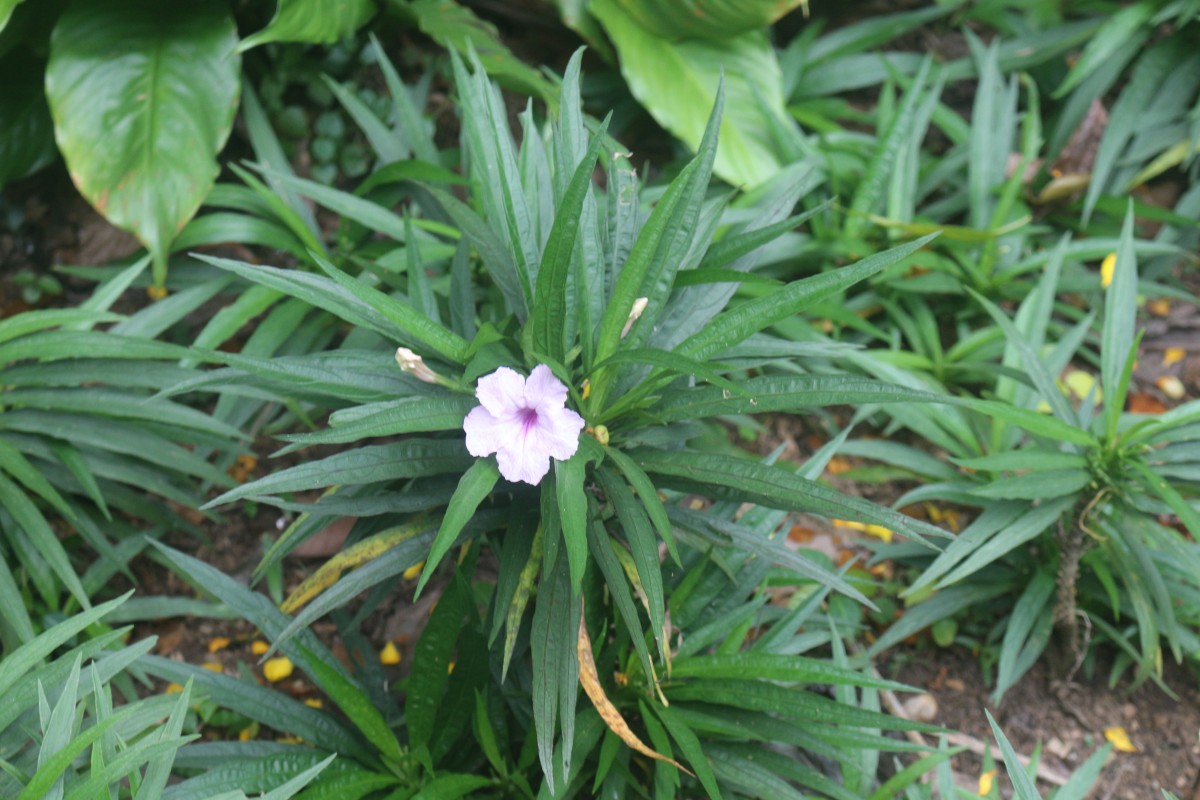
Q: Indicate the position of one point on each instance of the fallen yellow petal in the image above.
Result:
(1159, 306)
(414, 572)
(1171, 386)
(276, 669)
(880, 532)
(156, 292)
(1173, 355)
(389, 655)
(248, 733)
(259, 647)
(1107, 267)
(985, 782)
(217, 643)
(174, 688)
(1120, 739)
(213, 666)
(314, 702)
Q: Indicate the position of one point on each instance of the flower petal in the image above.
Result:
(558, 429)
(543, 389)
(525, 460)
(502, 392)
(486, 433)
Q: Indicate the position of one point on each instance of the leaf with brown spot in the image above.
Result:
(589, 679)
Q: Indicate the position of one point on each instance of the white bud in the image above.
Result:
(413, 364)
(639, 306)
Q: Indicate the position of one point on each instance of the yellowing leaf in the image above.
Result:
(985, 782)
(1173, 355)
(1120, 739)
(353, 557)
(389, 655)
(277, 669)
(1106, 269)
(589, 679)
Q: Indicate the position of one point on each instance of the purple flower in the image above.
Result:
(524, 422)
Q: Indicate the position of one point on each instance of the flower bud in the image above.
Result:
(413, 364)
(639, 306)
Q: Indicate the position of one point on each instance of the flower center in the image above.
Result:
(529, 418)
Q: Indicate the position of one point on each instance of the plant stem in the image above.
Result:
(1071, 546)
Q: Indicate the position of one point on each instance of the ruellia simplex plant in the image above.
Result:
(547, 381)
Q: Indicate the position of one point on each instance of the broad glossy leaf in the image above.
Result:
(455, 27)
(676, 82)
(26, 130)
(315, 21)
(708, 19)
(142, 101)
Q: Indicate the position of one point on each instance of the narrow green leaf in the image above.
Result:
(1022, 784)
(547, 316)
(356, 704)
(738, 323)
(572, 507)
(473, 488)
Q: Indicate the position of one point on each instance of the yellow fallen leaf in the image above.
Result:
(213, 666)
(389, 655)
(414, 572)
(1080, 383)
(217, 643)
(277, 669)
(1171, 386)
(1120, 739)
(1107, 267)
(1173, 355)
(985, 782)
(589, 679)
(259, 647)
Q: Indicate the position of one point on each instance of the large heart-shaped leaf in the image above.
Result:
(26, 133)
(706, 19)
(677, 81)
(143, 97)
(316, 21)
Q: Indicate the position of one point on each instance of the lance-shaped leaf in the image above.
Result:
(142, 102)
(589, 679)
